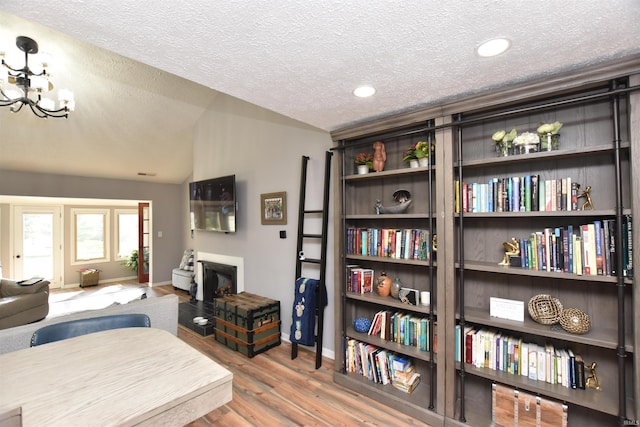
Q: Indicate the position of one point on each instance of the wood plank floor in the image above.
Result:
(270, 389)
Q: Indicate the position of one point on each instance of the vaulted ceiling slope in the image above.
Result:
(303, 58)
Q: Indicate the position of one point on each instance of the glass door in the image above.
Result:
(37, 243)
(144, 241)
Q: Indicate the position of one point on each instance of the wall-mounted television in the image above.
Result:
(213, 204)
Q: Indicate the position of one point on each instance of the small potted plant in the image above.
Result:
(409, 156)
(423, 152)
(364, 162)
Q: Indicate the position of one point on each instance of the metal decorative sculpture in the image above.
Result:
(586, 194)
(592, 378)
(403, 197)
(511, 249)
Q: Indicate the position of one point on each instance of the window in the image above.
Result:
(127, 232)
(90, 234)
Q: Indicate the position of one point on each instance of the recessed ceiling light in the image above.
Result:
(493, 47)
(364, 91)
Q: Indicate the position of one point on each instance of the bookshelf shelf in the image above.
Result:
(583, 158)
(411, 404)
(386, 174)
(604, 337)
(542, 156)
(388, 302)
(591, 399)
(386, 260)
(597, 150)
(389, 217)
(493, 267)
(544, 214)
(415, 268)
(389, 345)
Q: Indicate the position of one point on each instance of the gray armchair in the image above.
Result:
(20, 305)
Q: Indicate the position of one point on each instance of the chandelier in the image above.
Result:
(30, 85)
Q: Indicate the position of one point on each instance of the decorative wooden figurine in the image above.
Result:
(379, 156)
(586, 194)
(592, 379)
(511, 249)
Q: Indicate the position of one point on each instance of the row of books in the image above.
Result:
(405, 243)
(588, 249)
(381, 366)
(360, 280)
(401, 328)
(492, 349)
(518, 194)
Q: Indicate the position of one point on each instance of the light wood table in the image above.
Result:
(121, 377)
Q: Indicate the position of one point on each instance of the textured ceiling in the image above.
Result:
(299, 58)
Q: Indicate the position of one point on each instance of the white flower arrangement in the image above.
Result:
(527, 139)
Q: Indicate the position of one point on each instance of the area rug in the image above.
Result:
(64, 303)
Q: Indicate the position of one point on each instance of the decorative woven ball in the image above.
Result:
(362, 325)
(545, 309)
(575, 321)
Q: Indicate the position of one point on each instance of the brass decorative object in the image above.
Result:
(511, 249)
(545, 309)
(575, 321)
(586, 195)
(592, 378)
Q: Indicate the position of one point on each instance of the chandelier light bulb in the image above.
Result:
(30, 82)
(47, 104)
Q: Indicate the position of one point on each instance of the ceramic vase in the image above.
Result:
(363, 169)
(424, 161)
(413, 163)
(383, 285)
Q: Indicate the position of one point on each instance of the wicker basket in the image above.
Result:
(575, 321)
(545, 309)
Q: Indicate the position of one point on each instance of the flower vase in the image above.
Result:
(413, 163)
(363, 169)
(503, 149)
(549, 141)
(424, 161)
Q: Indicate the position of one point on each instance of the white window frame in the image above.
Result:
(107, 235)
(116, 234)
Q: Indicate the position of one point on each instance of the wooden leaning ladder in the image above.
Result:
(322, 262)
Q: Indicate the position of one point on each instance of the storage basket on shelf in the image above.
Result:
(575, 321)
(545, 309)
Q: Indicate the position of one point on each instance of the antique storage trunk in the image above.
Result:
(247, 323)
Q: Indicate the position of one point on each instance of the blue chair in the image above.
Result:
(74, 328)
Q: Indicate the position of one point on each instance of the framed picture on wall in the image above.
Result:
(273, 207)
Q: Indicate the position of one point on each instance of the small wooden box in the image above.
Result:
(247, 323)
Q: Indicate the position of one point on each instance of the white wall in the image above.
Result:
(264, 150)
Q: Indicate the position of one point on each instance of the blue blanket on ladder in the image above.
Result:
(305, 303)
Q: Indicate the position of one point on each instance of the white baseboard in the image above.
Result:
(330, 354)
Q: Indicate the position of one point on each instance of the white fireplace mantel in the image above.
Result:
(220, 259)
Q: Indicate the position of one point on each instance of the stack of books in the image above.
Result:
(404, 377)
